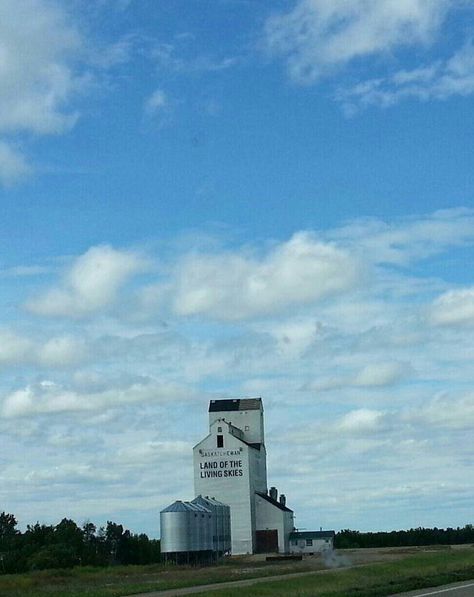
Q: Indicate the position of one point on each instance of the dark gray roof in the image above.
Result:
(312, 535)
(208, 502)
(266, 497)
(180, 506)
(235, 404)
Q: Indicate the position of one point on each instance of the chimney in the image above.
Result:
(283, 499)
(274, 493)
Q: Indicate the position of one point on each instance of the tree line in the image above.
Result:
(412, 537)
(66, 545)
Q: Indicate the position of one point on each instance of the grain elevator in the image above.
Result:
(234, 511)
(230, 465)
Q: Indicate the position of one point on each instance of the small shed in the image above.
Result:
(311, 542)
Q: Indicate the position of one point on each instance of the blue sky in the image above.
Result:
(205, 199)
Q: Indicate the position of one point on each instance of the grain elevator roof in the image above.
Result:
(235, 404)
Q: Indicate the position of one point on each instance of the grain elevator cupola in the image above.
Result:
(245, 413)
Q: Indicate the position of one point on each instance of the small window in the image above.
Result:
(220, 441)
(246, 428)
(309, 542)
(219, 430)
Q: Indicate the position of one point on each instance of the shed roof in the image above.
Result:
(235, 404)
(266, 497)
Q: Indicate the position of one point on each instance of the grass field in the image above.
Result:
(377, 573)
(373, 580)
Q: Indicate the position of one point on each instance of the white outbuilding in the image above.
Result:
(311, 542)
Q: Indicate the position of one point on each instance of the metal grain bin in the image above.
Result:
(176, 525)
(227, 536)
(213, 515)
(220, 528)
(204, 527)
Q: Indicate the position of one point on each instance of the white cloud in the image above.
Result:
(235, 285)
(445, 411)
(407, 240)
(440, 80)
(318, 36)
(36, 78)
(280, 320)
(375, 374)
(91, 283)
(62, 351)
(13, 348)
(57, 351)
(48, 397)
(381, 374)
(455, 307)
(361, 421)
(295, 336)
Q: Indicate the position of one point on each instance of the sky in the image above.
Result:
(207, 199)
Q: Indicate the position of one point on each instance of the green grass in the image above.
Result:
(375, 580)
(414, 570)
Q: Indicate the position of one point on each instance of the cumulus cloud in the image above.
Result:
(62, 351)
(48, 397)
(318, 36)
(38, 76)
(56, 351)
(234, 286)
(90, 284)
(14, 349)
(455, 307)
(285, 321)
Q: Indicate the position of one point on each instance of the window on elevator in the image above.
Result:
(220, 441)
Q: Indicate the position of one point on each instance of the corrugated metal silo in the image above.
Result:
(220, 528)
(227, 536)
(204, 527)
(211, 527)
(175, 521)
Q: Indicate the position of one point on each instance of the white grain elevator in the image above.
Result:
(230, 465)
